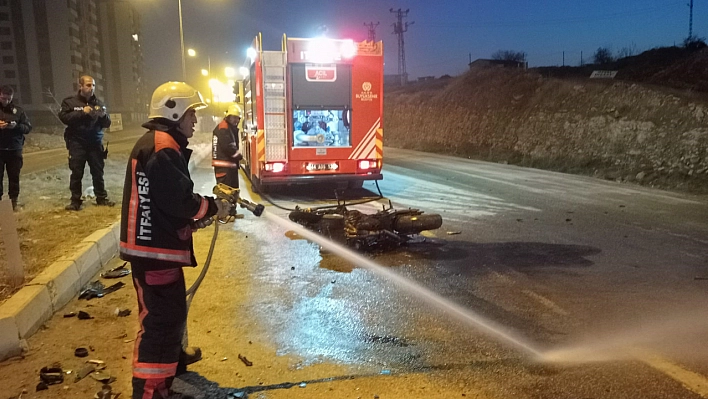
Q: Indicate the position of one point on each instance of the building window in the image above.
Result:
(10, 74)
(4, 16)
(8, 59)
(6, 45)
(5, 30)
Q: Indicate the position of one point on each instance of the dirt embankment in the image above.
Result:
(610, 129)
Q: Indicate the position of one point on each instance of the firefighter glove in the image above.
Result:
(202, 223)
(223, 208)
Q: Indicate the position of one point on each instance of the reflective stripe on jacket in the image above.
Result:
(224, 146)
(159, 203)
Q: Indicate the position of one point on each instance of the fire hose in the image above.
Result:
(230, 194)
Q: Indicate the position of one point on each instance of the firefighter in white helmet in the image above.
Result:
(225, 154)
(160, 211)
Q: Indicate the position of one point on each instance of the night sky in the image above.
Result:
(442, 37)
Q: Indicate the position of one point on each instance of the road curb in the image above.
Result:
(25, 312)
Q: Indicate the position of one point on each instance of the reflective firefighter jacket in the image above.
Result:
(224, 146)
(159, 202)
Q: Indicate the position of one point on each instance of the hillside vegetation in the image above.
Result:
(627, 129)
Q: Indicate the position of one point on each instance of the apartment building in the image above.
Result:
(46, 45)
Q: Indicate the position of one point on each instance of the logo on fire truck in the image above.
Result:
(366, 94)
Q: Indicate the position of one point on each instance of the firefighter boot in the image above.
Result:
(189, 355)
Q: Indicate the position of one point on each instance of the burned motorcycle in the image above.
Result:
(384, 229)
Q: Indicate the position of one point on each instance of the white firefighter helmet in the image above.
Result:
(172, 99)
(234, 110)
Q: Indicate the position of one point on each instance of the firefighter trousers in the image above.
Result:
(228, 176)
(162, 305)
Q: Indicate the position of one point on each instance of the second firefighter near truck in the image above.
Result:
(225, 154)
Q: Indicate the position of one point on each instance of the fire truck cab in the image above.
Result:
(313, 112)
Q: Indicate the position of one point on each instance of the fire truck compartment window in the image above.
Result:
(321, 128)
(317, 86)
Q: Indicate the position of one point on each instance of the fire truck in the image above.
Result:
(313, 112)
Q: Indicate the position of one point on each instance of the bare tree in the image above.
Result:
(694, 42)
(603, 55)
(53, 108)
(509, 55)
(628, 51)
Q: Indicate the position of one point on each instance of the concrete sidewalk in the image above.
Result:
(25, 312)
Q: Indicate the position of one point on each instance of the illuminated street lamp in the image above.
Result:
(229, 72)
(205, 72)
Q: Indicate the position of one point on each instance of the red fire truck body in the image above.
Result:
(314, 112)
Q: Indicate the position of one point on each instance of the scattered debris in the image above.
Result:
(302, 385)
(96, 289)
(385, 372)
(122, 312)
(81, 352)
(41, 386)
(102, 377)
(245, 361)
(223, 359)
(84, 371)
(84, 315)
(104, 393)
(117, 272)
(452, 233)
(700, 278)
(51, 375)
(70, 314)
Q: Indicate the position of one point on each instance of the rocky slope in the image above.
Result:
(612, 129)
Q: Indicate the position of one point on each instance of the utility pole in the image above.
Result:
(372, 30)
(398, 29)
(690, 21)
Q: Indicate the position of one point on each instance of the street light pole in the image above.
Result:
(181, 41)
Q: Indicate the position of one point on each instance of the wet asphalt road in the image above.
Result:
(609, 279)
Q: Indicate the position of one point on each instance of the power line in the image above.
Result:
(399, 27)
(690, 22)
(372, 30)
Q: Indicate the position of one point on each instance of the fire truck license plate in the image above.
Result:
(322, 166)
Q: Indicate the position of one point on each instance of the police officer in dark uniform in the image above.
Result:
(225, 154)
(85, 118)
(13, 127)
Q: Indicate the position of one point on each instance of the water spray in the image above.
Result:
(467, 316)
